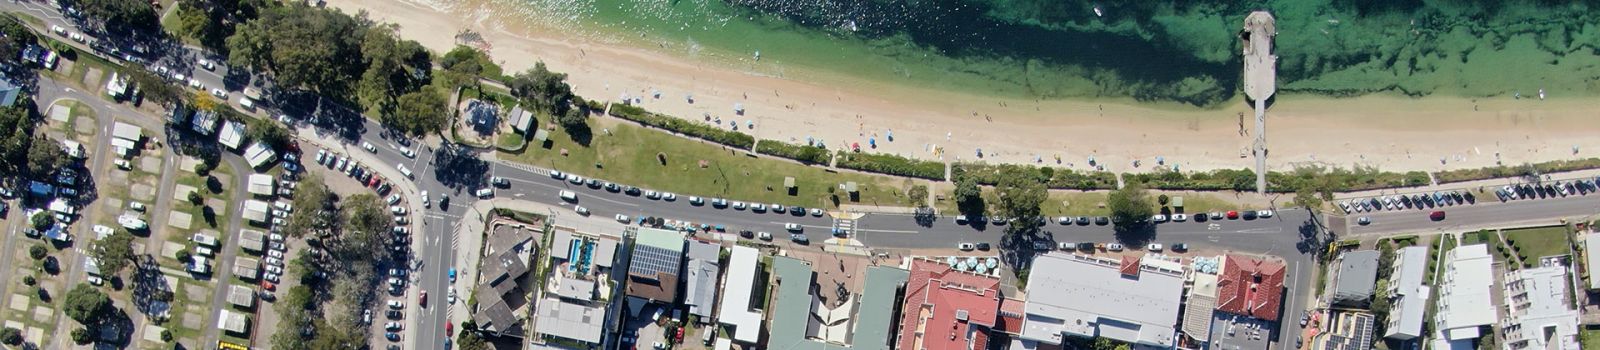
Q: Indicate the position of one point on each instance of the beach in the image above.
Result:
(1388, 132)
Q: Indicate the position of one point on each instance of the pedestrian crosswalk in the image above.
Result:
(846, 227)
(528, 168)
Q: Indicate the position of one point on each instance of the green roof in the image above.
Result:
(874, 313)
(659, 238)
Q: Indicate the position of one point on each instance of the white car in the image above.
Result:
(178, 76)
(195, 83)
(403, 170)
(1154, 247)
(76, 36)
(792, 227)
(758, 207)
(274, 269)
(275, 254)
(622, 218)
(406, 151)
(1264, 213)
(123, 164)
(581, 210)
(394, 198)
(485, 193)
(1180, 217)
(104, 230)
(369, 147)
(696, 200)
(397, 210)
(1158, 218)
(738, 205)
(322, 156)
(58, 30)
(425, 199)
(219, 93)
(668, 196)
(208, 65)
(966, 247)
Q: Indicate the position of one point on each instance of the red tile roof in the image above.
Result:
(1011, 311)
(939, 292)
(1130, 266)
(1250, 286)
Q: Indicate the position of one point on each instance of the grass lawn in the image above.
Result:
(1538, 242)
(1589, 338)
(1479, 237)
(510, 140)
(626, 153)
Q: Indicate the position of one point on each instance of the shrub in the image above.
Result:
(80, 336)
(891, 164)
(37, 251)
(1053, 178)
(709, 133)
(166, 335)
(11, 336)
(804, 154)
(29, 280)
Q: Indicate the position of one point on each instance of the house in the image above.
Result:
(1539, 312)
(738, 311)
(247, 268)
(1199, 306)
(204, 122)
(126, 138)
(200, 265)
(945, 308)
(1464, 304)
(499, 294)
(1348, 331)
(521, 119)
(1408, 296)
(241, 296)
(117, 86)
(583, 322)
(1357, 276)
(259, 155)
(252, 241)
(204, 240)
(702, 274)
(1250, 286)
(9, 91)
(1132, 300)
(1591, 254)
(256, 211)
(232, 135)
(798, 325)
(74, 149)
(262, 185)
(656, 265)
(234, 322)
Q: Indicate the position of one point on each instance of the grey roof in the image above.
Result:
(791, 316)
(246, 268)
(1410, 296)
(9, 92)
(508, 238)
(241, 296)
(572, 288)
(582, 322)
(1091, 297)
(561, 246)
(605, 253)
(1591, 250)
(233, 322)
(656, 252)
(521, 119)
(1358, 272)
(503, 269)
(252, 240)
(494, 313)
(702, 273)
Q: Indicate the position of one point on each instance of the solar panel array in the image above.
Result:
(649, 261)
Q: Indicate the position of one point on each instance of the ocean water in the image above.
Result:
(1150, 51)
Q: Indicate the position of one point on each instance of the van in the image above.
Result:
(569, 196)
(403, 170)
(203, 251)
(247, 103)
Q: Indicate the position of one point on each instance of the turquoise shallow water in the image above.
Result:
(1154, 51)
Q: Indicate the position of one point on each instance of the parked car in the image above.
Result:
(1363, 221)
(1437, 215)
(1067, 246)
(1154, 247)
(1264, 213)
(1180, 247)
(764, 236)
(1115, 247)
(983, 246)
(966, 246)
(581, 210)
(792, 227)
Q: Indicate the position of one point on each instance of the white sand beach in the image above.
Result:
(1394, 133)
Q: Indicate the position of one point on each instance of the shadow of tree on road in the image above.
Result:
(459, 167)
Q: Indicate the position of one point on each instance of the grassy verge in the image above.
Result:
(629, 154)
(1589, 337)
(1530, 244)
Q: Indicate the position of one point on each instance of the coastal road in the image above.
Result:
(1547, 211)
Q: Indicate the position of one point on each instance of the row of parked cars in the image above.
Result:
(718, 203)
(1437, 199)
(1547, 190)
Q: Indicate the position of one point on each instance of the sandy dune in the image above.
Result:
(1390, 132)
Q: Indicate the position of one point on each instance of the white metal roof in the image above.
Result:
(127, 131)
(255, 210)
(1591, 248)
(1087, 296)
(1405, 284)
(569, 320)
(261, 184)
(232, 134)
(1464, 302)
(1543, 307)
(736, 292)
(259, 154)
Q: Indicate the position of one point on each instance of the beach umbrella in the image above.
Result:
(856, 146)
(1161, 160)
(872, 141)
(890, 135)
(992, 262)
(738, 107)
(809, 141)
(950, 261)
(749, 124)
(982, 269)
(980, 153)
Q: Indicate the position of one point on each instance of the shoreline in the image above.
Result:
(1437, 133)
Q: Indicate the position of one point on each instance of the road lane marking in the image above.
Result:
(886, 231)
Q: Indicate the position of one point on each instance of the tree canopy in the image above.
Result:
(420, 112)
(1131, 208)
(45, 157)
(86, 304)
(364, 226)
(464, 65)
(268, 132)
(120, 16)
(302, 47)
(968, 196)
(114, 252)
(1019, 196)
(211, 22)
(542, 89)
(16, 137)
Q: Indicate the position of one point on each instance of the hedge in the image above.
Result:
(1055, 178)
(1215, 180)
(804, 154)
(891, 164)
(709, 133)
(1460, 175)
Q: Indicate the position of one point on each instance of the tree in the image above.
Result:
(166, 335)
(46, 157)
(195, 198)
(80, 336)
(114, 252)
(37, 251)
(918, 194)
(16, 137)
(365, 223)
(121, 16)
(43, 221)
(1130, 208)
(268, 132)
(153, 87)
(302, 48)
(203, 101)
(183, 256)
(211, 22)
(1019, 198)
(968, 196)
(422, 112)
(540, 88)
(16, 37)
(310, 197)
(465, 65)
(86, 304)
(11, 336)
(394, 67)
(1306, 195)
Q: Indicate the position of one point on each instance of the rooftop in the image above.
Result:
(1358, 273)
(947, 309)
(241, 296)
(1539, 310)
(703, 272)
(1464, 303)
(793, 320)
(1591, 249)
(1349, 331)
(737, 309)
(1197, 312)
(1410, 296)
(1090, 297)
(1250, 286)
(232, 135)
(246, 268)
(654, 270)
(252, 240)
(576, 321)
(255, 210)
(261, 185)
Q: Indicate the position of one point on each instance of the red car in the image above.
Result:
(449, 329)
(423, 298)
(1233, 214)
(1437, 215)
(373, 182)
